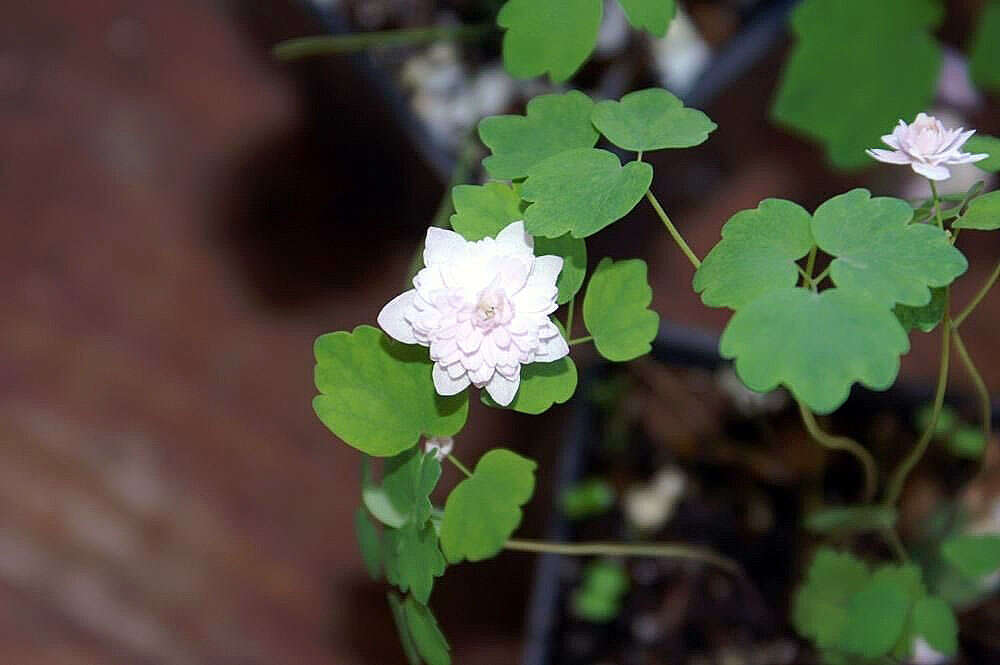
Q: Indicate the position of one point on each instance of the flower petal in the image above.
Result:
(551, 349)
(932, 172)
(502, 389)
(445, 385)
(546, 271)
(889, 156)
(515, 240)
(442, 246)
(392, 318)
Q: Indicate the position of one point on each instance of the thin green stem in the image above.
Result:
(818, 279)
(461, 467)
(307, 47)
(569, 317)
(937, 204)
(663, 550)
(846, 444)
(896, 545)
(980, 295)
(810, 266)
(982, 392)
(581, 340)
(898, 479)
(674, 233)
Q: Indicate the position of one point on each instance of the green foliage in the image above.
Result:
(599, 597)
(820, 611)
(975, 556)
(418, 631)
(377, 394)
(879, 253)
(377, 501)
(851, 518)
(574, 271)
(851, 612)
(616, 309)
(369, 542)
(926, 317)
(651, 15)
(408, 480)
(816, 344)
(582, 191)
(403, 629)
(984, 54)
(554, 36)
(651, 119)
(967, 442)
(413, 559)
(858, 66)
(934, 621)
(484, 211)
(983, 214)
(985, 144)
(552, 124)
(542, 385)
(587, 499)
(485, 509)
(756, 255)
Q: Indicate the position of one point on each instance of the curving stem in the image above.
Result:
(674, 233)
(846, 444)
(659, 550)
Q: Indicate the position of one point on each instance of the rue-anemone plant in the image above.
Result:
(491, 313)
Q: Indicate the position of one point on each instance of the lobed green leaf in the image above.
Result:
(985, 144)
(815, 344)
(616, 310)
(369, 542)
(983, 214)
(653, 16)
(926, 317)
(974, 555)
(651, 119)
(582, 191)
(377, 395)
(756, 255)
(427, 636)
(552, 124)
(880, 254)
(542, 385)
(554, 36)
(484, 510)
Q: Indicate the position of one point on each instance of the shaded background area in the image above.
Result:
(182, 218)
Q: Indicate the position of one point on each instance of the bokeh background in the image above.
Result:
(182, 217)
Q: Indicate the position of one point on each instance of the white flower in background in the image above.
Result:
(483, 309)
(925, 654)
(927, 147)
(441, 446)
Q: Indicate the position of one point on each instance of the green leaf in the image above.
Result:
(967, 442)
(405, 637)
(599, 597)
(368, 542)
(756, 255)
(574, 254)
(378, 395)
(876, 616)
(427, 637)
(482, 212)
(856, 69)
(554, 36)
(925, 318)
(984, 55)
(552, 124)
(542, 385)
(615, 310)
(413, 559)
(990, 145)
(983, 214)
(408, 480)
(651, 15)
(587, 499)
(817, 345)
(974, 556)
(934, 621)
(879, 253)
(582, 191)
(851, 518)
(377, 500)
(651, 119)
(483, 510)
(820, 609)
